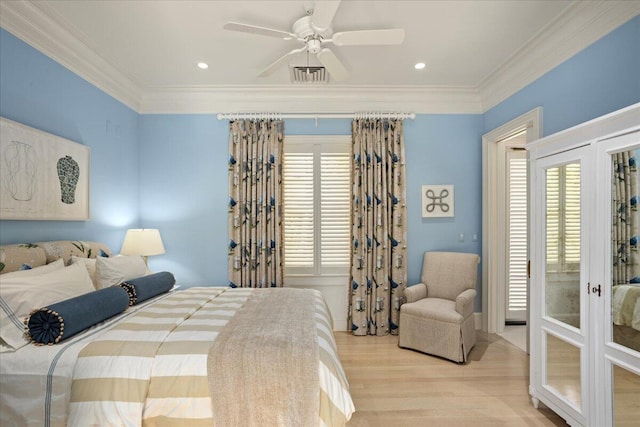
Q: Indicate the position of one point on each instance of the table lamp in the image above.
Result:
(142, 241)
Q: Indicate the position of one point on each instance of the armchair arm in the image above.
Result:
(415, 292)
(464, 302)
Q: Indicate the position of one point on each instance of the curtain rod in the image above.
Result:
(279, 116)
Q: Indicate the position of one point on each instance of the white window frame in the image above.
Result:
(317, 144)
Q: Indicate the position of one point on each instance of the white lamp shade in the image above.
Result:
(144, 242)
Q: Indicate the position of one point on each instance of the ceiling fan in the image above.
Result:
(314, 31)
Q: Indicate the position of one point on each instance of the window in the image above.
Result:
(317, 204)
(563, 218)
(517, 231)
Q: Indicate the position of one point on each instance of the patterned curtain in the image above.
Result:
(626, 264)
(378, 234)
(255, 203)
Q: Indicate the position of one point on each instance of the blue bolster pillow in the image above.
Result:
(145, 287)
(64, 319)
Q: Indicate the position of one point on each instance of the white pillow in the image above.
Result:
(89, 264)
(20, 295)
(114, 270)
(55, 265)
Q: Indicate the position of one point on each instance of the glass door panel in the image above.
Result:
(625, 271)
(562, 284)
(563, 369)
(559, 283)
(619, 224)
(622, 283)
(626, 398)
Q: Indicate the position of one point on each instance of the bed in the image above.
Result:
(197, 356)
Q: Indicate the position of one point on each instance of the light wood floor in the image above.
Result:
(394, 387)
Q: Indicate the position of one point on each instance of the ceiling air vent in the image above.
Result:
(306, 74)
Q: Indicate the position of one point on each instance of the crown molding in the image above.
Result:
(583, 23)
(323, 99)
(29, 22)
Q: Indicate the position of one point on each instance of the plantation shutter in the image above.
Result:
(553, 219)
(563, 218)
(335, 210)
(572, 217)
(317, 193)
(298, 210)
(517, 226)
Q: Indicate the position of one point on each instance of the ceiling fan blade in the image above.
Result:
(323, 13)
(271, 68)
(333, 65)
(369, 37)
(262, 31)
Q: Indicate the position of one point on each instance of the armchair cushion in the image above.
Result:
(439, 309)
(415, 293)
(464, 302)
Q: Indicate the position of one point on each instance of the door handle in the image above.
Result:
(596, 289)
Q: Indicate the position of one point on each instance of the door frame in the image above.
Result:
(493, 236)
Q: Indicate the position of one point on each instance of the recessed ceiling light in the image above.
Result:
(420, 65)
(203, 65)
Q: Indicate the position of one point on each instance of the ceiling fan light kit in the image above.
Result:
(314, 31)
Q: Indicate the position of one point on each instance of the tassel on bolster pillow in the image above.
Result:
(62, 320)
(145, 287)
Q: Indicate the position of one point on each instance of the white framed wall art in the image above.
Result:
(42, 176)
(437, 201)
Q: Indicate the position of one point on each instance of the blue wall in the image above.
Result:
(40, 93)
(169, 171)
(184, 191)
(601, 79)
(443, 149)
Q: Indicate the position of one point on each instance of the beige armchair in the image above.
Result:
(437, 316)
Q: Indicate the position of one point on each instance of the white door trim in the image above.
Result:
(493, 236)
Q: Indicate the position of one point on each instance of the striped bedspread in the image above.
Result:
(151, 369)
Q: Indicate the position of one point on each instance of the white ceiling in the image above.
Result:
(145, 52)
(158, 43)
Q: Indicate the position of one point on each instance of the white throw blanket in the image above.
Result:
(277, 385)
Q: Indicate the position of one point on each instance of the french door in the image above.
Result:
(516, 233)
(618, 352)
(586, 282)
(561, 324)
